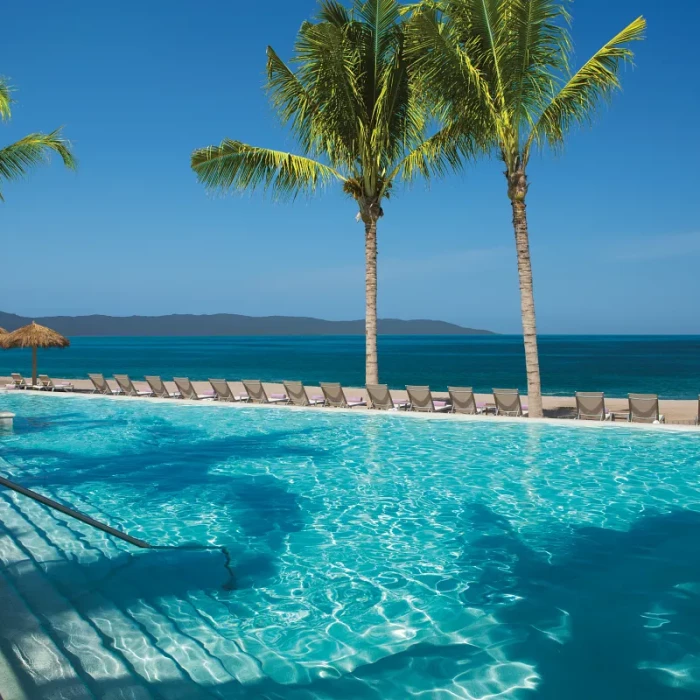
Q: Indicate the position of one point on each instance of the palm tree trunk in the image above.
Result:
(517, 190)
(371, 362)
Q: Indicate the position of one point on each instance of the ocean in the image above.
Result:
(665, 365)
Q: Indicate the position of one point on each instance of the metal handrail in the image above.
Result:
(74, 514)
(44, 500)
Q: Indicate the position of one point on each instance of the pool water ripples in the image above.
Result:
(375, 555)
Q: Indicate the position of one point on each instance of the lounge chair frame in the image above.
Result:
(590, 405)
(298, 396)
(463, 400)
(421, 400)
(335, 396)
(380, 399)
(127, 386)
(513, 408)
(102, 386)
(644, 408)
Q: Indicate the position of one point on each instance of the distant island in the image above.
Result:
(228, 324)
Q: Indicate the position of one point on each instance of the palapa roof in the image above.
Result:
(2, 330)
(33, 336)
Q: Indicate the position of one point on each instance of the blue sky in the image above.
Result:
(139, 85)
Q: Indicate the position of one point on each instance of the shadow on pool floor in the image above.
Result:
(631, 600)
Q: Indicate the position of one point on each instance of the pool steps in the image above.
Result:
(83, 645)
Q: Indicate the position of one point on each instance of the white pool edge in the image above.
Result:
(411, 415)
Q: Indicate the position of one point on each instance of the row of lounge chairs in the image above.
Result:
(507, 402)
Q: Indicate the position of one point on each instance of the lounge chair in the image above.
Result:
(590, 405)
(101, 386)
(48, 384)
(421, 399)
(335, 396)
(19, 381)
(644, 408)
(223, 391)
(187, 391)
(127, 386)
(257, 394)
(508, 403)
(463, 401)
(159, 389)
(298, 396)
(380, 398)
(697, 420)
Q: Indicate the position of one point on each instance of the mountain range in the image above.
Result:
(229, 324)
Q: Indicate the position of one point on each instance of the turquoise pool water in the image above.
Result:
(376, 556)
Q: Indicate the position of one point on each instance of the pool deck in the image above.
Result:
(678, 413)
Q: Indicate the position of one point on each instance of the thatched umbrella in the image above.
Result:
(33, 336)
(2, 331)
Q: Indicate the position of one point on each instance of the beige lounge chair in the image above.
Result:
(380, 398)
(257, 394)
(335, 396)
(421, 399)
(298, 396)
(463, 401)
(187, 391)
(48, 384)
(590, 405)
(223, 391)
(508, 403)
(19, 381)
(102, 386)
(159, 389)
(128, 388)
(644, 408)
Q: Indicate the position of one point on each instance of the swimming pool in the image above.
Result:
(375, 556)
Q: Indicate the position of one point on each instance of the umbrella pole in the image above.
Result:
(34, 365)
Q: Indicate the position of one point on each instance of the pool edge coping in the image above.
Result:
(413, 415)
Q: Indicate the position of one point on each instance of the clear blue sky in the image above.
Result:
(139, 85)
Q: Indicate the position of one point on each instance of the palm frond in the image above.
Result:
(334, 13)
(18, 158)
(576, 102)
(536, 50)
(233, 165)
(5, 99)
(444, 152)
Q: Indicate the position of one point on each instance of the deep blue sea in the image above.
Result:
(665, 365)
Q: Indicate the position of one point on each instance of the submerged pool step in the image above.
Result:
(175, 648)
(112, 653)
(39, 664)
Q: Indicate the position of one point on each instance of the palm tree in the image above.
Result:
(357, 120)
(17, 158)
(502, 67)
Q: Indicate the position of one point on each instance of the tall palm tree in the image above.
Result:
(357, 121)
(502, 67)
(17, 158)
